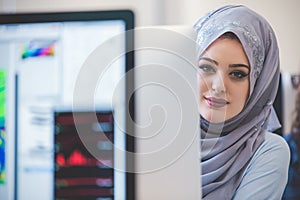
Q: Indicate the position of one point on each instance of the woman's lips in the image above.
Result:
(215, 102)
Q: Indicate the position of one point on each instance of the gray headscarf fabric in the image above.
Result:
(226, 148)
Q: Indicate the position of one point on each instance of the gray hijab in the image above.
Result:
(227, 148)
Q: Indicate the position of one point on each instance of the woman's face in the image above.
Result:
(223, 80)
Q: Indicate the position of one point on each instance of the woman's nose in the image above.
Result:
(218, 85)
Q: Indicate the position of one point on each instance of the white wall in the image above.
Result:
(143, 9)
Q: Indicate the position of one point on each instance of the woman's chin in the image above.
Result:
(214, 118)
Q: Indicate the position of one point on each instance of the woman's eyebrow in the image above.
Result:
(239, 65)
(231, 65)
(209, 60)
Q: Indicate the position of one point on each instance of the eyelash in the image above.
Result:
(235, 75)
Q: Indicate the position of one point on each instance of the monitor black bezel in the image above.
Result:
(128, 17)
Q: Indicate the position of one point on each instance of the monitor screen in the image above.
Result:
(57, 64)
(79, 173)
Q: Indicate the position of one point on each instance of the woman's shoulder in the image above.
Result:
(269, 164)
(273, 153)
(273, 149)
(274, 142)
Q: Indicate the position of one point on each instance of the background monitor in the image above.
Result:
(80, 173)
(54, 61)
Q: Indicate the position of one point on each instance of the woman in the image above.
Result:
(292, 191)
(238, 79)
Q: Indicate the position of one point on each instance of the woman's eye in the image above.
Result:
(238, 75)
(207, 68)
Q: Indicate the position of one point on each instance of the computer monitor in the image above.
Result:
(54, 61)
